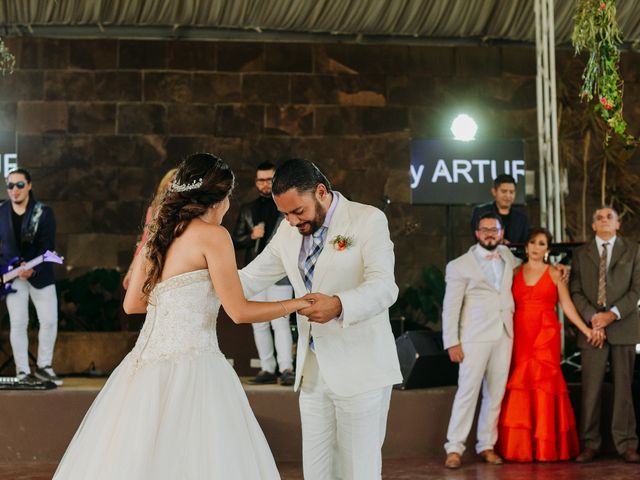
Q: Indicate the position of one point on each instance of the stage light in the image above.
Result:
(464, 128)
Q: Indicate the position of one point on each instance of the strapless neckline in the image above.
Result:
(181, 279)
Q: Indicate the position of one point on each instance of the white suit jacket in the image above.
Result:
(357, 354)
(473, 310)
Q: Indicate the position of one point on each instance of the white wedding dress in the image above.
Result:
(174, 409)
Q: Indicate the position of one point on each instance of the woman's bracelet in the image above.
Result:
(286, 313)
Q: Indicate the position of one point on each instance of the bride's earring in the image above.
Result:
(546, 257)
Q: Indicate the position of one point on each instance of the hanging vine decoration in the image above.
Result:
(596, 31)
(7, 60)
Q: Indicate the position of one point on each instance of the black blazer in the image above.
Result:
(518, 227)
(44, 239)
(247, 219)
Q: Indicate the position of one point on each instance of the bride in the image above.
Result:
(174, 408)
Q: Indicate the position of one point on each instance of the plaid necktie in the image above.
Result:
(602, 276)
(312, 258)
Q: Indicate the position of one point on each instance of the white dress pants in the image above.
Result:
(281, 332)
(485, 367)
(342, 437)
(46, 303)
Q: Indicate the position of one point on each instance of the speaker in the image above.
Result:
(423, 360)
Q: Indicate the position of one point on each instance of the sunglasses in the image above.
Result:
(20, 185)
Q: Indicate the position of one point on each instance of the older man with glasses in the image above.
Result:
(27, 230)
(605, 286)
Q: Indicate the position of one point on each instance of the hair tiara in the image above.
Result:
(185, 187)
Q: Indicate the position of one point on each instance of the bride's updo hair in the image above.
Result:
(201, 181)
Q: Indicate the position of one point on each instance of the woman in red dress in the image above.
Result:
(536, 420)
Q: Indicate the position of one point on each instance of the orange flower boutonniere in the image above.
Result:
(341, 243)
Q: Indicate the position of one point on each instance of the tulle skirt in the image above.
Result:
(170, 420)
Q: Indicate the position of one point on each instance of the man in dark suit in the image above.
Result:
(514, 223)
(257, 222)
(605, 287)
(27, 230)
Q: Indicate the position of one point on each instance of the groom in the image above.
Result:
(346, 356)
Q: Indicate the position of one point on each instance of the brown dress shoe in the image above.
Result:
(491, 457)
(454, 460)
(587, 455)
(631, 456)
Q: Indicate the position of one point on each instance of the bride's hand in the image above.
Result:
(301, 303)
(323, 308)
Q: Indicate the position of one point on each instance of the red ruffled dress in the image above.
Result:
(536, 420)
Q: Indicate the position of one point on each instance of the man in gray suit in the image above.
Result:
(477, 331)
(605, 287)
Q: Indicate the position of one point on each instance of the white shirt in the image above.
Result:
(492, 268)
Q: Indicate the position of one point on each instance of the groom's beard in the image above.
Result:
(311, 226)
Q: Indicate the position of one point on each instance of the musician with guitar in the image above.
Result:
(27, 231)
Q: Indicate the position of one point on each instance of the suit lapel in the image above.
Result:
(507, 270)
(338, 226)
(592, 253)
(618, 249)
(291, 252)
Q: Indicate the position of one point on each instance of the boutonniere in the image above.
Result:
(341, 242)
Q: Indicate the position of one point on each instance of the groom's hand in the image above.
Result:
(322, 309)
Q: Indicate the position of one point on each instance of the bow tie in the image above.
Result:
(491, 256)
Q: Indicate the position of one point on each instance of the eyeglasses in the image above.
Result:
(20, 185)
(488, 230)
(264, 180)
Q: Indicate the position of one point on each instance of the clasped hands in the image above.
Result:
(322, 308)
(599, 322)
(596, 337)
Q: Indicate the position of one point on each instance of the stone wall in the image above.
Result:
(98, 122)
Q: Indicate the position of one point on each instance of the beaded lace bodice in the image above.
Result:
(181, 319)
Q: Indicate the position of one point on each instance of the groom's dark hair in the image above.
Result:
(300, 174)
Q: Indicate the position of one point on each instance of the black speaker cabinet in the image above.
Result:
(423, 360)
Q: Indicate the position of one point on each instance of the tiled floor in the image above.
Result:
(422, 469)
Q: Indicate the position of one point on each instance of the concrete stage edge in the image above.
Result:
(37, 426)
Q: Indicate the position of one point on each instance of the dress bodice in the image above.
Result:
(181, 319)
(541, 296)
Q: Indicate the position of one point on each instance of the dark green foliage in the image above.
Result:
(422, 304)
(7, 60)
(596, 31)
(90, 302)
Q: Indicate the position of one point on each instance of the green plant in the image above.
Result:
(606, 172)
(596, 31)
(7, 60)
(90, 302)
(422, 304)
